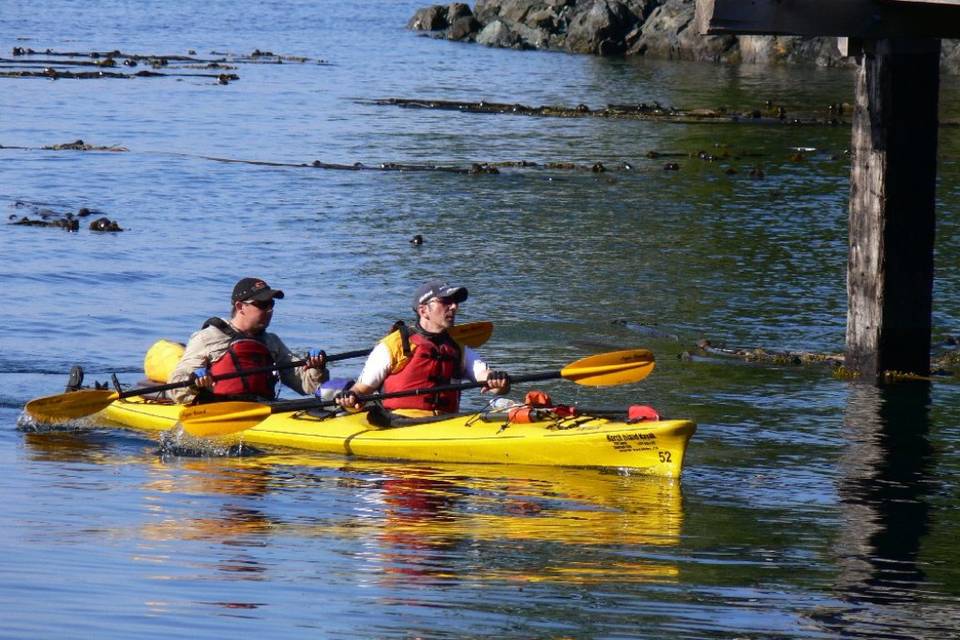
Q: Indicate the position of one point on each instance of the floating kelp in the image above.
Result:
(76, 145)
(757, 354)
(476, 168)
(105, 224)
(776, 115)
(721, 154)
(770, 114)
(54, 74)
(28, 63)
(67, 224)
(69, 221)
(211, 65)
(943, 366)
(80, 145)
(256, 56)
(947, 356)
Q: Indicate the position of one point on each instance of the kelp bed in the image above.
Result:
(944, 359)
(56, 65)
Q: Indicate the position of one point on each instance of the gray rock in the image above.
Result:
(499, 34)
(669, 33)
(464, 28)
(487, 11)
(438, 17)
(429, 19)
(789, 49)
(503, 32)
(457, 11)
(546, 19)
(603, 22)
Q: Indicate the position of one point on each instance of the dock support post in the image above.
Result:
(892, 221)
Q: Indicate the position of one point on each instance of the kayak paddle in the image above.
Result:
(85, 402)
(604, 369)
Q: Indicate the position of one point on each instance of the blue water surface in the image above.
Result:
(810, 506)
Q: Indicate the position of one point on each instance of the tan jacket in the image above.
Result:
(208, 344)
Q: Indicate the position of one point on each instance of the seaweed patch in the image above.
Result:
(41, 215)
(96, 65)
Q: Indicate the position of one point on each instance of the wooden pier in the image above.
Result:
(892, 223)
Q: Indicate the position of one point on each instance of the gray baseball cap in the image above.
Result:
(438, 289)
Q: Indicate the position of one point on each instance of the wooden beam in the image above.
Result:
(892, 197)
(955, 3)
(873, 19)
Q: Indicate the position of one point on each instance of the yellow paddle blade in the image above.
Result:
(222, 418)
(69, 406)
(473, 334)
(615, 367)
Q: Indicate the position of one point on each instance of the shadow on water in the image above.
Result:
(886, 487)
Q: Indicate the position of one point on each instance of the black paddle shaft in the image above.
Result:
(312, 403)
(236, 374)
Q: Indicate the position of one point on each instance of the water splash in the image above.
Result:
(27, 424)
(177, 443)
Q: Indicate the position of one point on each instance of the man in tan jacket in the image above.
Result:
(242, 344)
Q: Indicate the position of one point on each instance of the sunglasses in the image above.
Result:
(261, 304)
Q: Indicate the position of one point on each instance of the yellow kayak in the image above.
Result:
(649, 447)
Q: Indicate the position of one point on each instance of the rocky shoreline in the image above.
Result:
(661, 29)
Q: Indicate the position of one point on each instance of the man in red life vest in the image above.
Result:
(242, 343)
(422, 357)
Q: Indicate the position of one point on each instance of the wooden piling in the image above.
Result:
(892, 196)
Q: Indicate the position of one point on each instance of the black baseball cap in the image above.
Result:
(438, 289)
(254, 289)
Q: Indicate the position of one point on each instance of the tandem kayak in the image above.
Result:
(654, 447)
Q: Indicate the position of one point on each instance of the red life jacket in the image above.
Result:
(243, 354)
(435, 361)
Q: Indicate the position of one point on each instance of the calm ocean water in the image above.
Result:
(810, 507)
